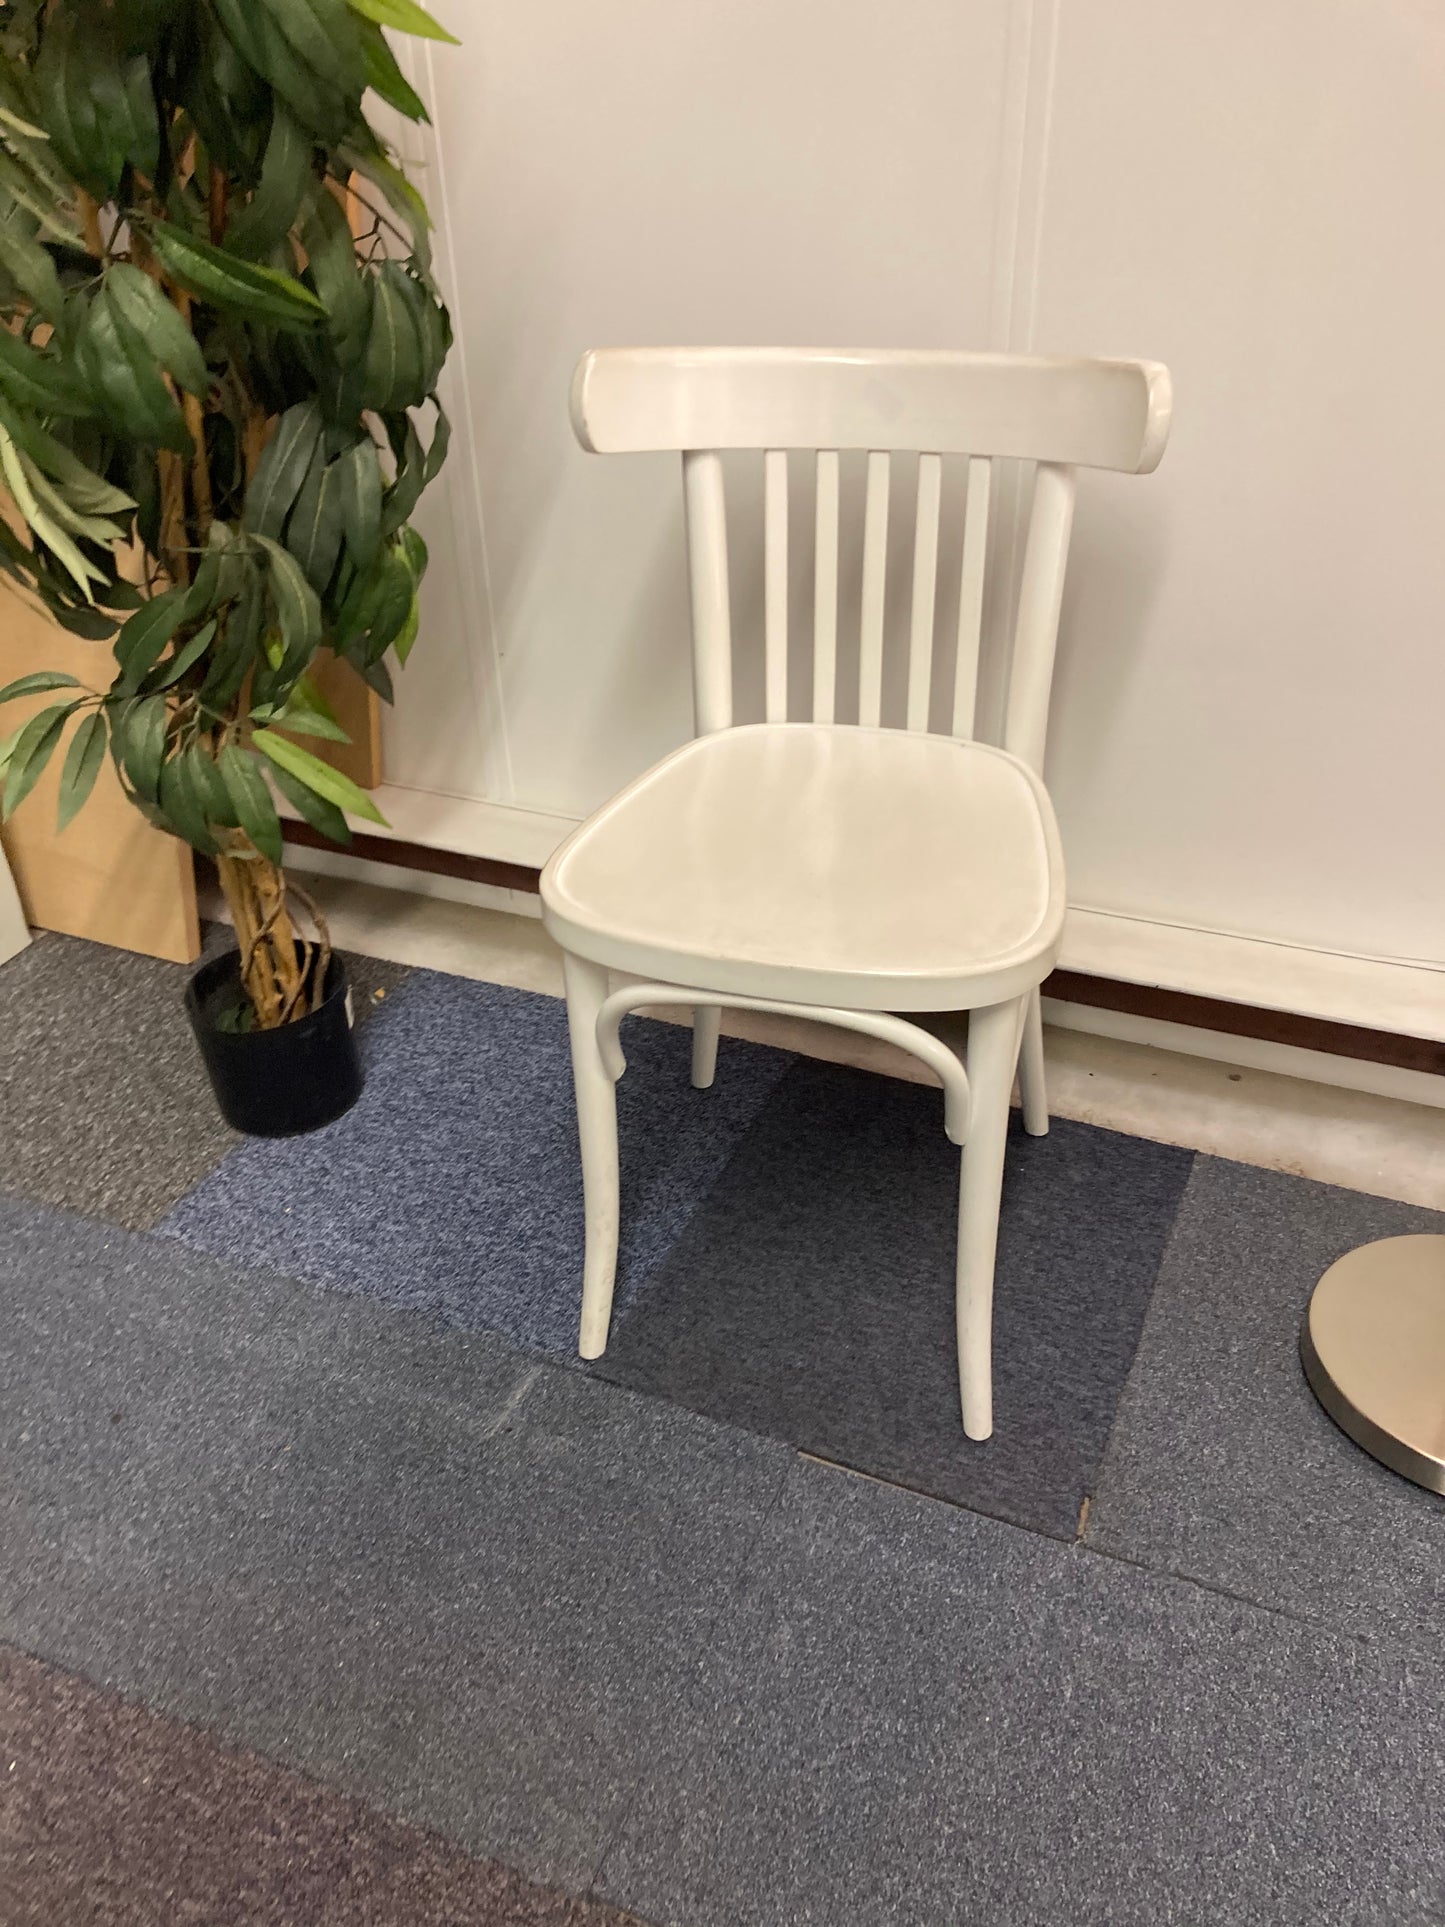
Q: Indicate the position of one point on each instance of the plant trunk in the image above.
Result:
(273, 972)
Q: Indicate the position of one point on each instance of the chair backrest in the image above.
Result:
(1057, 413)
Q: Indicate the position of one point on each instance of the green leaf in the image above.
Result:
(82, 487)
(358, 478)
(407, 17)
(235, 653)
(397, 191)
(317, 106)
(48, 206)
(139, 744)
(37, 683)
(81, 767)
(32, 270)
(414, 552)
(324, 35)
(144, 636)
(66, 85)
(298, 608)
(123, 374)
(314, 531)
(282, 469)
(255, 811)
(269, 215)
(405, 492)
(246, 288)
(307, 713)
(139, 304)
(33, 749)
(38, 380)
(394, 353)
(319, 777)
(441, 440)
(405, 637)
(313, 809)
(171, 672)
(331, 254)
(386, 77)
(80, 568)
(184, 802)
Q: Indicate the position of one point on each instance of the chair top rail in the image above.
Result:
(1076, 412)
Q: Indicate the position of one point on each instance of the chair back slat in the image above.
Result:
(925, 589)
(775, 584)
(825, 587)
(712, 630)
(1057, 414)
(970, 594)
(1036, 629)
(875, 574)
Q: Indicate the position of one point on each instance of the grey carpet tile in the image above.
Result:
(472, 1589)
(454, 1186)
(112, 1815)
(934, 1719)
(1222, 1465)
(105, 1103)
(812, 1297)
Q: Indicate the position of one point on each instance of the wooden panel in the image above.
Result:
(110, 876)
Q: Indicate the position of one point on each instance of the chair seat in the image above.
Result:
(809, 863)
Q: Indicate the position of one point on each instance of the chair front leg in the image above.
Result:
(993, 1043)
(706, 1023)
(1033, 1091)
(587, 988)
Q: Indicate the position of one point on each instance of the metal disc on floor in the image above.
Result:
(1373, 1345)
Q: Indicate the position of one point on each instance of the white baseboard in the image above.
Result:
(1251, 1053)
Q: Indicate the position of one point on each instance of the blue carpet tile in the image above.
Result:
(454, 1186)
(632, 1652)
(812, 1297)
(935, 1720)
(1222, 1466)
(473, 1589)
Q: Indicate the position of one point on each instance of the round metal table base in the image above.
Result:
(1373, 1345)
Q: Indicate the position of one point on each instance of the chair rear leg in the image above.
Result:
(706, 1022)
(993, 1042)
(587, 987)
(1033, 1090)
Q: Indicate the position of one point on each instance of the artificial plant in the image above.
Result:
(217, 410)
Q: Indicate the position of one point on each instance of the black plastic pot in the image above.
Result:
(276, 1083)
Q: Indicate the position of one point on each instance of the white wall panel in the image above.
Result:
(1248, 716)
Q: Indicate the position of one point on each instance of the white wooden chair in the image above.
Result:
(844, 872)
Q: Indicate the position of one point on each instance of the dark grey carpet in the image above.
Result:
(115, 1817)
(464, 1586)
(454, 1185)
(936, 1720)
(1222, 1466)
(105, 1103)
(812, 1297)
(575, 1629)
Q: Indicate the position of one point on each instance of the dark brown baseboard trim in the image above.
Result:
(1249, 1020)
(419, 856)
(1069, 986)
